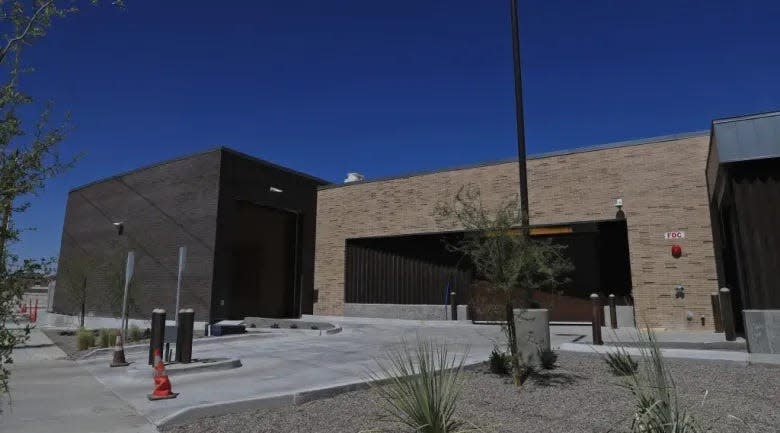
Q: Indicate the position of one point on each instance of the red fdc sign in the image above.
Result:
(674, 235)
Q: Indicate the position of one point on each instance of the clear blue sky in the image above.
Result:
(389, 87)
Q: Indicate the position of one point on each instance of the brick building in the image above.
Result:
(248, 226)
(661, 182)
(264, 240)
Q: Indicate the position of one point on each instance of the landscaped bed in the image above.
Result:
(68, 341)
(579, 396)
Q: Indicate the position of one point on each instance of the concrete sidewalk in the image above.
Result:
(61, 397)
(697, 354)
(37, 348)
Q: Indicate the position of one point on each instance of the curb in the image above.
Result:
(191, 368)
(333, 331)
(694, 354)
(196, 342)
(94, 353)
(34, 346)
(190, 414)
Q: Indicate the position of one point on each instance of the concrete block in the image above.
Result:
(404, 311)
(463, 313)
(532, 328)
(762, 329)
(625, 316)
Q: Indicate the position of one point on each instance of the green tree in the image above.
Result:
(505, 256)
(29, 156)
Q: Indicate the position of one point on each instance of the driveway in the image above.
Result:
(287, 368)
(52, 394)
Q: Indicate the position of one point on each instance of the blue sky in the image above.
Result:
(384, 88)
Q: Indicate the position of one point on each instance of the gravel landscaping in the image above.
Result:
(579, 396)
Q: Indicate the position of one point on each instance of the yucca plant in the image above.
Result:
(420, 387)
(620, 363)
(658, 409)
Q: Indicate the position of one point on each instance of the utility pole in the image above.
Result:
(519, 117)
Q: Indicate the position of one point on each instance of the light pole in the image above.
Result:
(519, 118)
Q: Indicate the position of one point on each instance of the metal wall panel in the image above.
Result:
(749, 137)
(382, 277)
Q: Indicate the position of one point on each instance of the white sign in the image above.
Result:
(674, 235)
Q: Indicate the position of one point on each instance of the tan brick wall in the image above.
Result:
(662, 185)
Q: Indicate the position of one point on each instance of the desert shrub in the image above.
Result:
(500, 362)
(657, 408)
(84, 339)
(420, 387)
(620, 363)
(107, 337)
(548, 358)
(136, 334)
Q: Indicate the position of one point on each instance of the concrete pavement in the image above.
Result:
(37, 348)
(285, 368)
(58, 396)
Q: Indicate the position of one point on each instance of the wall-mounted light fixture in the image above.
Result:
(275, 189)
(619, 205)
(120, 227)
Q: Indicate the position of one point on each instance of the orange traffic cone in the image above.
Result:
(119, 352)
(162, 386)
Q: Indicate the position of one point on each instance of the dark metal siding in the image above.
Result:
(756, 191)
(247, 179)
(163, 207)
(382, 277)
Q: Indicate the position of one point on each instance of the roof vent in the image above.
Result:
(354, 177)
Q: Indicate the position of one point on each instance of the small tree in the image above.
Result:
(75, 277)
(500, 252)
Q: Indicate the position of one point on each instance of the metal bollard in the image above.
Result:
(157, 333)
(717, 319)
(597, 311)
(453, 307)
(612, 311)
(727, 314)
(184, 335)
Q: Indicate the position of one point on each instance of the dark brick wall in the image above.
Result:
(163, 207)
(249, 179)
